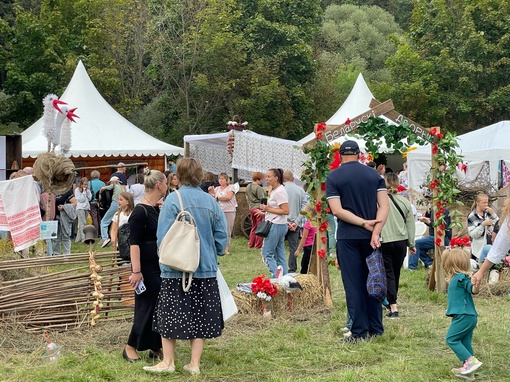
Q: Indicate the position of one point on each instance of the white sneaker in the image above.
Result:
(105, 242)
(470, 366)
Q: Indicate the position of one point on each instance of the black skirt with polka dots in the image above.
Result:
(188, 315)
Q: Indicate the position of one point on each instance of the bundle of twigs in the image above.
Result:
(62, 300)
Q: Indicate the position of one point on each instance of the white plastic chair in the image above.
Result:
(420, 230)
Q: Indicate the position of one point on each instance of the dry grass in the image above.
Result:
(301, 346)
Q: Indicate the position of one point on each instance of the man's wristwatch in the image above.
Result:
(363, 223)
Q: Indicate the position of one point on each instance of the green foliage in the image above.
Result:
(456, 61)
(359, 36)
(398, 138)
(352, 39)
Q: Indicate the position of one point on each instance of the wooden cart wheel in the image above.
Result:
(246, 225)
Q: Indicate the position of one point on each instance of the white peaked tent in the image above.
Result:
(356, 103)
(100, 130)
(488, 145)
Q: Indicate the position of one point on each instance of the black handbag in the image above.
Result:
(263, 228)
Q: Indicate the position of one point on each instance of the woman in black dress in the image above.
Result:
(143, 224)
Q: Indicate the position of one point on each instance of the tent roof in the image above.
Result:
(100, 130)
(487, 143)
(356, 103)
(490, 143)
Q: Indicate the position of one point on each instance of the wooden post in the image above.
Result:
(437, 280)
(322, 264)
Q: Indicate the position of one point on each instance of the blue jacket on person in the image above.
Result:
(211, 224)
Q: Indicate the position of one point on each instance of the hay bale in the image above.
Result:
(310, 297)
(502, 287)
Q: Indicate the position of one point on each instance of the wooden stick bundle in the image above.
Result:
(63, 300)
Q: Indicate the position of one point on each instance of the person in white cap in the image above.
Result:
(115, 184)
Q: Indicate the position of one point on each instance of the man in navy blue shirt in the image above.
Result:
(357, 197)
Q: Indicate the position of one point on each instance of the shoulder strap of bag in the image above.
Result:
(398, 207)
(180, 200)
(186, 286)
(91, 186)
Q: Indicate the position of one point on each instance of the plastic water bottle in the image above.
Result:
(52, 351)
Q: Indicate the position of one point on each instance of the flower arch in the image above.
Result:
(399, 139)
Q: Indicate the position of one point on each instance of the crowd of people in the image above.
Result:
(369, 211)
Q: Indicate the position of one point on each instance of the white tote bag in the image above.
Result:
(228, 304)
(180, 248)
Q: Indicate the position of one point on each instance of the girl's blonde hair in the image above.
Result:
(310, 211)
(83, 181)
(479, 197)
(456, 260)
(131, 203)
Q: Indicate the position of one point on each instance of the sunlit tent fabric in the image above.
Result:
(252, 152)
(356, 103)
(99, 130)
(485, 150)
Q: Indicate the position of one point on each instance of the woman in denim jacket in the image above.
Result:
(194, 315)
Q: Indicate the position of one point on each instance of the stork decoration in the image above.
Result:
(57, 123)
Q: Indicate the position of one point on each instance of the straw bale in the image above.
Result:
(297, 301)
(502, 287)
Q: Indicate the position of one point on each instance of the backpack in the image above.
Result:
(105, 200)
(123, 242)
(180, 247)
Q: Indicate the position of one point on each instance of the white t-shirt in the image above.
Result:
(501, 244)
(123, 218)
(276, 199)
(138, 192)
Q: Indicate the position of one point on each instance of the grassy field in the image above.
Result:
(303, 348)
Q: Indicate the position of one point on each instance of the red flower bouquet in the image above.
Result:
(263, 288)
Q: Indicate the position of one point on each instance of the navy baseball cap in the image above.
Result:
(349, 147)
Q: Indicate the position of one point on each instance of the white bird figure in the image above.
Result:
(51, 107)
(62, 128)
(289, 283)
(65, 135)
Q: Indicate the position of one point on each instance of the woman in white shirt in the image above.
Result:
(138, 189)
(276, 211)
(83, 197)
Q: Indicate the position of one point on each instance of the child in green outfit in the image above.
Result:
(461, 308)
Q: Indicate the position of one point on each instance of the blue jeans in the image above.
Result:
(273, 249)
(422, 246)
(107, 219)
(483, 254)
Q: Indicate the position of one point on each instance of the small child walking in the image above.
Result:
(461, 308)
(307, 240)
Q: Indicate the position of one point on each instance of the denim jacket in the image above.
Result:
(211, 224)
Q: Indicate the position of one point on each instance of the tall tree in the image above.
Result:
(352, 39)
(456, 63)
(219, 58)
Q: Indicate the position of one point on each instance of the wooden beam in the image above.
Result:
(398, 118)
(112, 166)
(333, 132)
